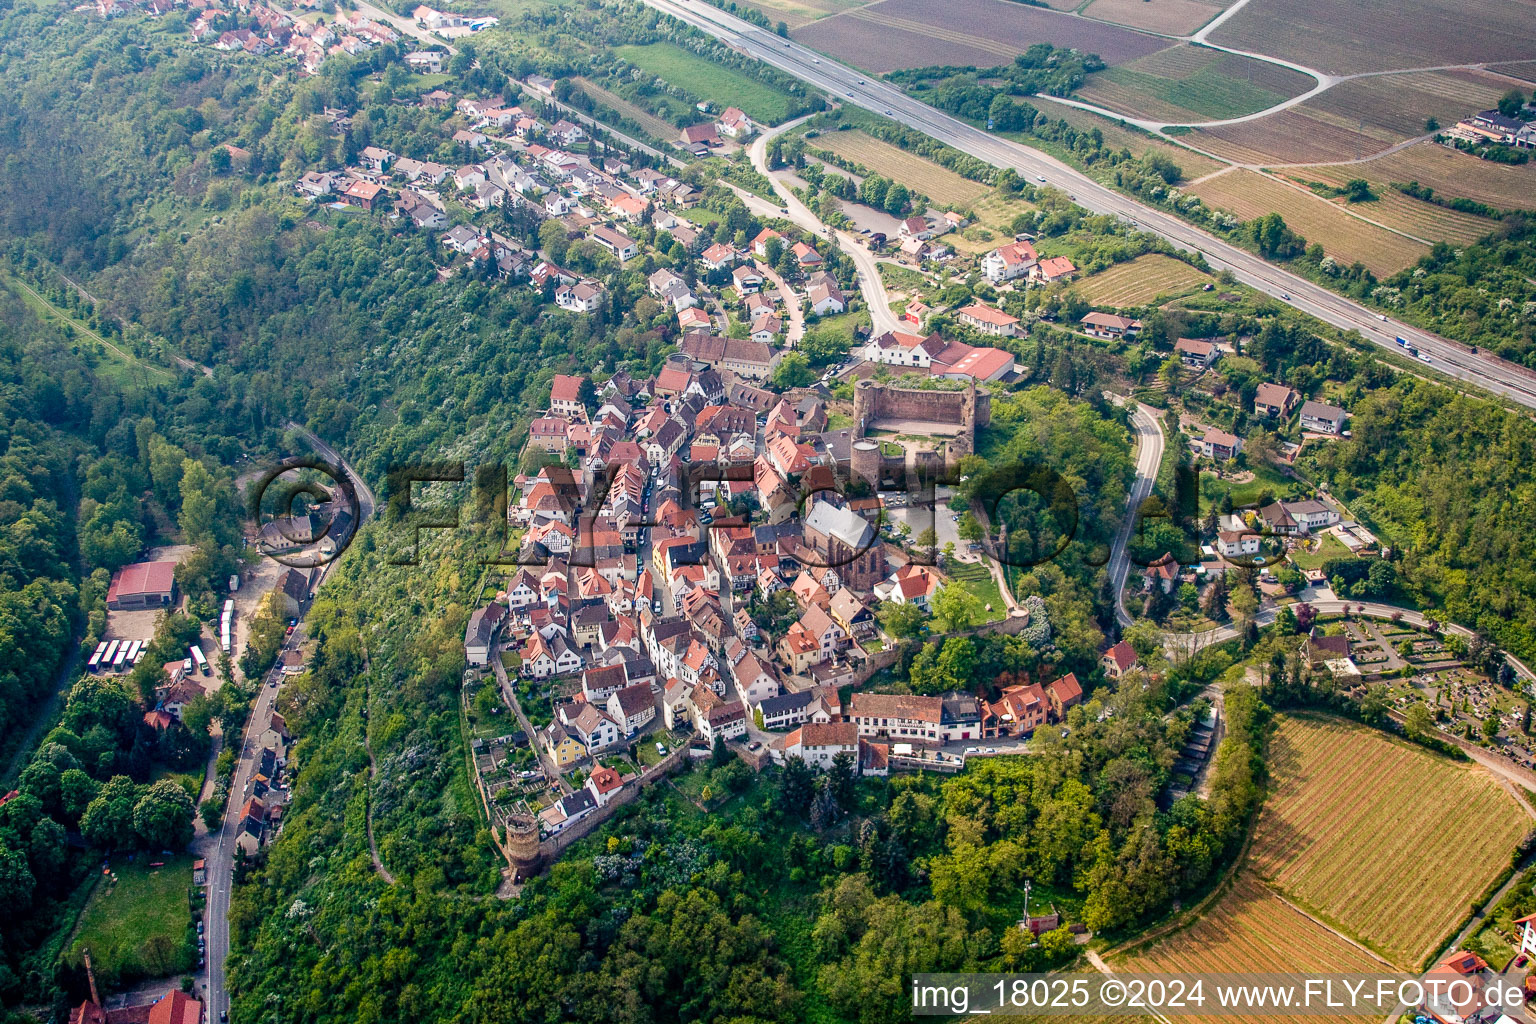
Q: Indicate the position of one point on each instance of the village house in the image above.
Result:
(988, 320)
(1274, 400)
(1322, 418)
(1110, 325)
(1008, 262)
(1219, 445)
(1196, 354)
(1118, 660)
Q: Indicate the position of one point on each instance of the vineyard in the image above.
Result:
(891, 34)
(1119, 136)
(940, 184)
(1375, 35)
(1141, 281)
(1355, 119)
(1403, 212)
(1250, 930)
(1390, 843)
(1192, 83)
(1172, 17)
(795, 13)
(1249, 194)
(1448, 172)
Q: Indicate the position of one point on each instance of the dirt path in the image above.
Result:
(373, 771)
(81, 326)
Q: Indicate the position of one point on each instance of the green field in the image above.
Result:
(137, 927)
(1245, 492)
(706, 80)
(977, 578)
(1329, 548)
(1140, 281)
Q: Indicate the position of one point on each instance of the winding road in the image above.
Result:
(870, 284)
(852, 86)
(218, 848)
(1149, 456)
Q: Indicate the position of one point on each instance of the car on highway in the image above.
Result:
(861, 81)
(1039, 177)
(1382, 317)
(889, 114)
(815, 60)
(1286, 296)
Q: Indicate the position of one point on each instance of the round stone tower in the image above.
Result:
(865, 394)
(864, 462)
(522, 842)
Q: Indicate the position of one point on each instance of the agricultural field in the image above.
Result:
(795, 13)
(1354, 119)
(1192, 83)
(709, 81)
(654, 126)
(1171, 17)
(1140, 281)
(1402, 212)
(1448, 172)
(1525, 70)
(893, 34)
(138, 925)
(1332, 835)
(1374, 35)
(1249, 194)
(940, 184)
(1250, 930)
(1117, 135)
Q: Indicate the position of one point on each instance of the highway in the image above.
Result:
(849, 85)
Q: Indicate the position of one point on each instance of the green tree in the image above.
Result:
(956, 608)
(162, 817)
(108, 820)
(793, 371)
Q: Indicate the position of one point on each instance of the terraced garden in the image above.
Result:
(1249, 930)
(1141, 281)
(1249, 194)
(940, 184)
(1362, 829)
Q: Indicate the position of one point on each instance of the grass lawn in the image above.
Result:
(707, 80)
(977, 579)
(1329, 548)
(138, 927)
(1246, 492)
(700, 216)
(839, 325)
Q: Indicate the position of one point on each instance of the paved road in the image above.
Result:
(218, 848)
(851, 86)
(1149, 457)
(870, 284)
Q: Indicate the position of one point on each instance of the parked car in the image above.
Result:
(661, 750)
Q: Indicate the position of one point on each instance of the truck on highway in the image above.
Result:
(1402, 342)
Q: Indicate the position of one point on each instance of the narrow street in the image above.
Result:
(509, 695)
(218, 848)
